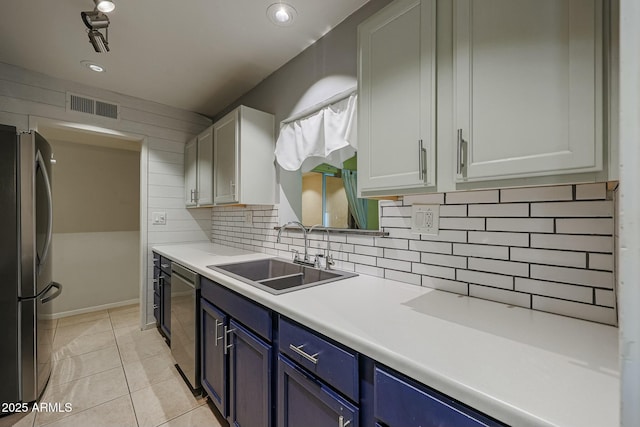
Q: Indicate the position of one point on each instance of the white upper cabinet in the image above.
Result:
(396, 111)
(190, 172)
(198, 170)
(244, 165)
(527, 88)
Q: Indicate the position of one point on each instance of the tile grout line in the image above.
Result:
(124, 372)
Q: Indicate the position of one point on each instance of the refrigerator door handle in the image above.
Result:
(45, 174)
(55, 295)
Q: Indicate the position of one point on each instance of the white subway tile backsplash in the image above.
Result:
(549, 248)
(369, 270)
(603, 226)
(535, 194)
(504, 210)
(555, 290)
(394, 264)
(572, 209)
(488, 279)
(500, 295)
(384, 242)
(400, 276)
(363, 259)
(396, 221)
(434, 271)
(575, 309)
(458, 236)
(543, 256)
(402, 255)
(425, 246)
(445, 285)
(436, 198)
(605, 298)
(573, 242)
(499, 238)
(462, 223)
(598, 279)
(601, 262)
(481, 251)
(446, 260)
(392, 211)
(466, 197)
(596, 191)
(453, 210)
(539, 225)
(368, 250)
(502, 267)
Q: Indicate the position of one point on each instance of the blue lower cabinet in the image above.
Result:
(213, 372)
(304, 401)
(156, 308)
(249, 378)
(399, 402)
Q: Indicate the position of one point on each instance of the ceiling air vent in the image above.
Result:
(91, 106)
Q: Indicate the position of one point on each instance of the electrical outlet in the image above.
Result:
(248, 217)
(425, 219)
(159, 218)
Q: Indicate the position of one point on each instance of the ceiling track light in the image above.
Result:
(105, 6)
(95, 21)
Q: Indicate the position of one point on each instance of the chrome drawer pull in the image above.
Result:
(227, 346)
(217, 338)
(342, 423)
(165, 265)
(311, 358)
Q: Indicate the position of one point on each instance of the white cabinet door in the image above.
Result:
(225, 136)
(396, 114)
(527, 87)
(205, 168)
(190, 173)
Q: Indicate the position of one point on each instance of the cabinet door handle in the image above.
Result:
(422, 163)
(217, 338)
(342, 422)
(155, 306)
(191, 197)
(165, 265)
(461, 155)
(227, 346)
(313, 358)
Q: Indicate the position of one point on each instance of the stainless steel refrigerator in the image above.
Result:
(26, 285)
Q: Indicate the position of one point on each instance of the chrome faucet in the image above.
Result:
(306, 241)
(328, 258)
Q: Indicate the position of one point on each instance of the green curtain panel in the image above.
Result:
(357, 207)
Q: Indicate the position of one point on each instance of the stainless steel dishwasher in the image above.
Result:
(185, 333)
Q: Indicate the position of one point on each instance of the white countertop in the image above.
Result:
(523, 367)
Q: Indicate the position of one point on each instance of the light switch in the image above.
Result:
(159, 218)
(425, 219)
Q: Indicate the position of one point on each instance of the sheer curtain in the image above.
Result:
(357, 207)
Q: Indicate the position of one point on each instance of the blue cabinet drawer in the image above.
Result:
(303, 401)
(165, 265)
(247, 312)
(399, 402)
(336, 366)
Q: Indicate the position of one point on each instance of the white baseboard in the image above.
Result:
(92, 309)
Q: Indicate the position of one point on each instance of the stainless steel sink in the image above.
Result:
(278, 276)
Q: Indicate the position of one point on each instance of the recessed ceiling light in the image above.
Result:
(105, 6)
(281, 14)
(93, 66)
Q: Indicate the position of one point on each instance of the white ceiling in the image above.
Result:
(198, 55)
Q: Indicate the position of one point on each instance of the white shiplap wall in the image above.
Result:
(27, 95)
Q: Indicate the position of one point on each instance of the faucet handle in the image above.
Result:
(296, 254)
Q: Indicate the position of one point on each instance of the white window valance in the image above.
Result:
(328, 135)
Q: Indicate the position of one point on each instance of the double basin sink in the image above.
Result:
(278, 276)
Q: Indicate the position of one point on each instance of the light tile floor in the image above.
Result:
(114, 374)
